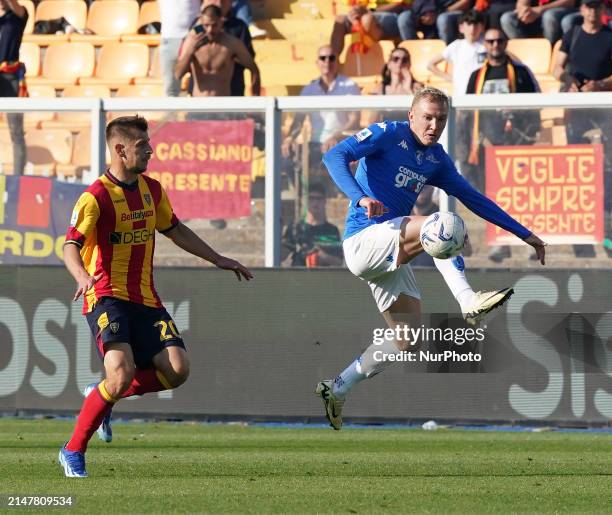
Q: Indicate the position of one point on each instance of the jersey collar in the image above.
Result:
(124, 185)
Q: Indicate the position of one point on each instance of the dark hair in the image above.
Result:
(386, 75)
(125, 126)
(471, 17)
(316, 187)
(212, 11)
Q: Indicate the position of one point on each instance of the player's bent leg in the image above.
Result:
(173, 363)
(105, 431)
(119, 368)
(474, 305)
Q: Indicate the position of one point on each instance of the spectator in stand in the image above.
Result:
(492, 11)
(584, 63)
(241, 9)
(13, 19)
(534, 17)
(499, 75)
(448, 19)
(313, 242)
(423, 17)
(240, 30)
(328, 127)
(210, 54)
(397, 78)
(177, 16)
(389, 20)
(466, 54)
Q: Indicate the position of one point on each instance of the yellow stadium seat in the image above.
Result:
(75, 11)
(154, 74)
(355, 64)
(287, 52)
(555, 52)
(141, 90)
(421, 52)
(119, 63)
(46, 148)
(149, 13)
(81, 155)
(300, 9)
(34, 119)
(109, 19)
(6, 151)
(65, 63)
(534, 53)
(29, 54)
(29, 5)
(312, 31)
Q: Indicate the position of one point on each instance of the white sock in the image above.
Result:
(453, 271)
(365, 366)
(348, 378)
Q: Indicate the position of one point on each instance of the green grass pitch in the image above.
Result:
(195, 468)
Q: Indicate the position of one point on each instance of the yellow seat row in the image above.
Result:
(109, 20)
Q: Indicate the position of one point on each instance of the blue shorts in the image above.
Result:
(147, 330)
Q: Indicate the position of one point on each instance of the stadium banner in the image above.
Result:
(205, 166)
(556, 191)
(257, 350)
(34, 217)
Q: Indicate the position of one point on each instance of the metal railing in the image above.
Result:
(273, 107)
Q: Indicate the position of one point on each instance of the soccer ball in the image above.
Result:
(443, 235)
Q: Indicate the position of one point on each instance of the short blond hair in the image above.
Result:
(430, 94)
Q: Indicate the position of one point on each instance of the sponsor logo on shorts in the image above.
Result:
(131, 237)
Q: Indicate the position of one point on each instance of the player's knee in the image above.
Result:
(118, 381)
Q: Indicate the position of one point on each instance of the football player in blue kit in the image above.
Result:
(396, 159)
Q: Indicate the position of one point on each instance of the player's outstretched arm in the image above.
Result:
(185, 238)
(74, 264)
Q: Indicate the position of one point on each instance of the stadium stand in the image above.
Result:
(65, 63)
(109, 20)
(154, 73)
(149, 13)
(303, 9)
(46, 148)
(29, 5)
(74, 11)
(299, 30)
(29, 53)
(421, 52)
(119, 64)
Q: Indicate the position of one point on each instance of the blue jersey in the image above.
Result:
(393, 168)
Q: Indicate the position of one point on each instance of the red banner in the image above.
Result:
(205, 166)
(557, 192)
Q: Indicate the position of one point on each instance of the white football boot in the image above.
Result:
(483, 302)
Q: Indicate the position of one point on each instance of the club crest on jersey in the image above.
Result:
(363, 134)
(114, 327)
(147, 198)
(419, 157)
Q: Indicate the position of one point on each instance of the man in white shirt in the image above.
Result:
(177, 17)
(466, 54)
(328, 127)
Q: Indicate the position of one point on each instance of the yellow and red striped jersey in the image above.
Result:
(114, 225)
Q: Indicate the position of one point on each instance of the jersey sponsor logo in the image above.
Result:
(130, 237)
(403, 144)
(136, 215)
(118, 201)
(363, 134)
(410, 180)
(74, 218)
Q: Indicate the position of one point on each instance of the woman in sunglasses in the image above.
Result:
(397, 79)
